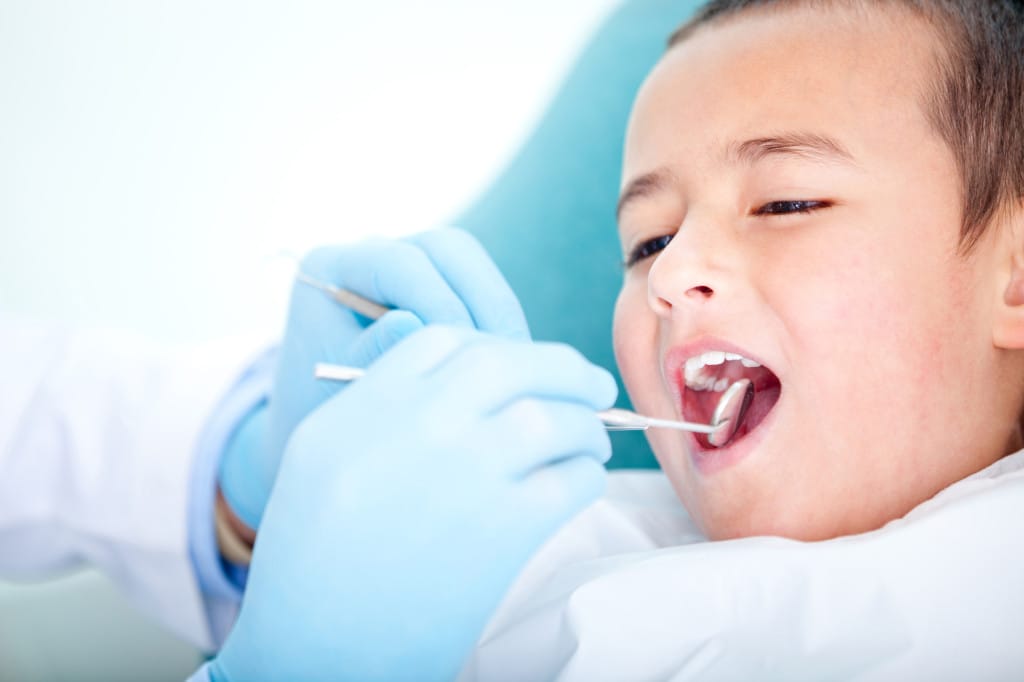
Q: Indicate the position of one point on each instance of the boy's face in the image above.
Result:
(814, 217)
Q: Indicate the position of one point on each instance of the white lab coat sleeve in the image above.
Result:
(98, 433)
(935, 597)
(221, 583)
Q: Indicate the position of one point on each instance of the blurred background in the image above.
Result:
(155, 156)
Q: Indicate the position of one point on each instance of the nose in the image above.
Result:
(694, 271)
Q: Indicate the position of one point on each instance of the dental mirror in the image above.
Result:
(730, 412)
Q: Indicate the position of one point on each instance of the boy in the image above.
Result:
(853, 227)
(824, 197)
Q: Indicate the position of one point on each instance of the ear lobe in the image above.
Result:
(1014, 294)
(1008, 325)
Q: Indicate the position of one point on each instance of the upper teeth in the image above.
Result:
(698, 380)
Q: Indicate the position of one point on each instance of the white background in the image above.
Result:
(154, 156)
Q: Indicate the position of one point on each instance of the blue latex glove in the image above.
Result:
(443, 276)
(407, 504)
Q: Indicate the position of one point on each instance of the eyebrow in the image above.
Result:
(812, 146)
(645, 185)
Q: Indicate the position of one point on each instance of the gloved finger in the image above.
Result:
(393, 391)
(493, 373)
(474, 277)
(553, 494)
(380, 336)
(393, 273)
(529, 434)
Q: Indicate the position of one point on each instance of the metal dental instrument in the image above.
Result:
(731, 411)
(727, 418)
(350, 300)
(725, 421)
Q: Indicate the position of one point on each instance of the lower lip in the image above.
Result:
(710, 461)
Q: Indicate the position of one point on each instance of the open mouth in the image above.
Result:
(705, 377)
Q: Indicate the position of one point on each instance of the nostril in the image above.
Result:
(701, 291)
(660, 305)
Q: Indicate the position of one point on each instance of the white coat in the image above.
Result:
(97, 438)
(630, 591)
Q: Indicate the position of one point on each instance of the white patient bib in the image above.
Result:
(631, 591)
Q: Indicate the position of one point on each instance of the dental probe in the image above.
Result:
(726, 419)
(349, 299)
(728, 415)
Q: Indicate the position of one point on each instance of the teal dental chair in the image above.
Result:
(549, 219)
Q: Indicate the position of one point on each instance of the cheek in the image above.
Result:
(876, 324)
(638, 341)
(635, 338)
(867, 281)
(840, 300)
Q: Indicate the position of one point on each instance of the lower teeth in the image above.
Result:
(710, 385)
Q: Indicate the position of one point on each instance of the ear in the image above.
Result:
(1008, 319)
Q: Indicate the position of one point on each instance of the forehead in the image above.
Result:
(859, 75)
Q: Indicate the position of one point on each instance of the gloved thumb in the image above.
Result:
(376, 339)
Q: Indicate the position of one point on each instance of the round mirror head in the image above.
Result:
(730, 412)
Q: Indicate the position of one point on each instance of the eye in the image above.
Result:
(647, 249)
(790, 206)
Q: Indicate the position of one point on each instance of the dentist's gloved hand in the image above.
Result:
(407, 504)
(443, 276)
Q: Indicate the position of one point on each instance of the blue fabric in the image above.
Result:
(220, 583)
(548, 221)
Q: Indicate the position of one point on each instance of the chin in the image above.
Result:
(729, 522)
(732, 505)
(746, 526)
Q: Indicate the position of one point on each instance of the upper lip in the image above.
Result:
(677, 356)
